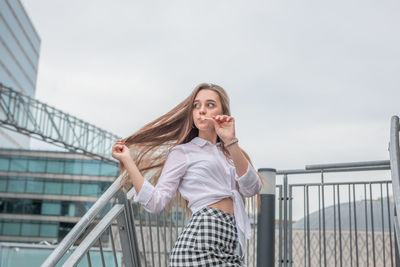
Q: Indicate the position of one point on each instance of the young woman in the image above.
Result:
(193, 151)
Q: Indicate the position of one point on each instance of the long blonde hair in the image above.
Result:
(151, 144)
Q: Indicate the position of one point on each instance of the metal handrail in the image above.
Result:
(80, 251)
(395, 167)
(84, 222)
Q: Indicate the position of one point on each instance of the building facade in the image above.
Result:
(44, 193)
(19, 50)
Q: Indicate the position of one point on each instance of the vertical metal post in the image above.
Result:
(266, 220)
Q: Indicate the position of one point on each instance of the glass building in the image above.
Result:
(44, 193)
(19, 50)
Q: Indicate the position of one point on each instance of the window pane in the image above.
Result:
(55, 166)
(53, 188)
(32, 206)
(91, 168)
(49, 208)
(37, 165)
(11, 228)
(16, 185)
(4, 164)
(3, 184)
(71, 189)
(68, 209)
(34, 186)
(73, 167)
(48, 230)
(14, 206)
(19, 165)
(108, 170)
(30, 229)
(90, 190)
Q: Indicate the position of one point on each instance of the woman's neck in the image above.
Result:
(209, 136)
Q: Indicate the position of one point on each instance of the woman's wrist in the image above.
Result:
(230, 142)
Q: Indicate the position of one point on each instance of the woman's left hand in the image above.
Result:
(224, 127)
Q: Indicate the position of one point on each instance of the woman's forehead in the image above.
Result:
(207, 94)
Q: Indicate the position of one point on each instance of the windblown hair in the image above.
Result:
(151, 144)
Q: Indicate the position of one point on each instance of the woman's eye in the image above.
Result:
(195, 105)
(210, 105)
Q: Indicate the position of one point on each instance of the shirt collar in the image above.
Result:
(202, 142)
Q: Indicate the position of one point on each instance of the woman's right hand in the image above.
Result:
(121, 152)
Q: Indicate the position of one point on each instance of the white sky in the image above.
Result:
(310, 81)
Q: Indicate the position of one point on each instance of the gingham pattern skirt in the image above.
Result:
(209, 239)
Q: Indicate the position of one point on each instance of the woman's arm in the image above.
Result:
(155, 198)
(247, 177)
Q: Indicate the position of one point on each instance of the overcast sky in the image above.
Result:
(309, 81)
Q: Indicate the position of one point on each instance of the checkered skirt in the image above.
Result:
(209, 239)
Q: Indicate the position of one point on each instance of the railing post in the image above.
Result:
(266, 220)
(127, 231)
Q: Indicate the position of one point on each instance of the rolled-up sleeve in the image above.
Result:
(155, 198)
(249, 183)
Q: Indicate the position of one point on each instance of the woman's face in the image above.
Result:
(206, 104)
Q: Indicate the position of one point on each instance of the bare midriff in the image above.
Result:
(225, 205)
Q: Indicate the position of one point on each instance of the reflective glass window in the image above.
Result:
(15, 206)
(73, 167)
(108, 170)
(3, 184)
(32, 206)
(16, 185)
(34, 186)
(49, 208)
(71, 188)
(53, 188)
(90, 190)
(91, 168)
(4, 164)
(30, 229)
(37, 165)
(11, 228)
(68, 209)
(19, 165)
(55, 166)
(48, 230)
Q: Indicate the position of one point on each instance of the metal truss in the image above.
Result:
(26, 115)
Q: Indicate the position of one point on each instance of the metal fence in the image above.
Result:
(348, 223)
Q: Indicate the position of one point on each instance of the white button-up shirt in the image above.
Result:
(203, 176)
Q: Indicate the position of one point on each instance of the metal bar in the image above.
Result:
(319, 226)
(151, 239)
(366, 223)
(351, 237)
(308, 228)
(113, 246)
(323, 213)
(101, 252)
(348, 165)
(395, 169)
(300, 171)
(334, 222)
(355, 223)
(78, 229)
(91, 238)
(285, 222)
(390, 226)
(88, 258)
(280, 227)
(290, 226)
(142, 237)
(305, 225)
(383, 229)
(340, 228)
(372, 225)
